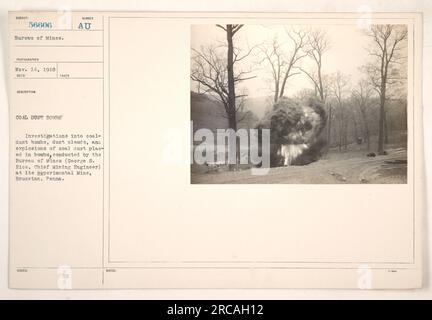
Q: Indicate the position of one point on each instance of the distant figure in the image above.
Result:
(371, 154)
(359, 140)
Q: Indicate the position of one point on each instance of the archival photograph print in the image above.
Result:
(299, 104)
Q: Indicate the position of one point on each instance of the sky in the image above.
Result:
(346, 54)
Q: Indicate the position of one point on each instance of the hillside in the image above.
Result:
(206, 112)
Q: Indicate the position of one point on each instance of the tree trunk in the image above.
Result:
(276, 95)
(355, 128)
(321, 86)
(381, 120)
(366, 126)
(284, 81)
(232, 121)
(231, 87)
(329, 123)
(385, 128)
(346, 135)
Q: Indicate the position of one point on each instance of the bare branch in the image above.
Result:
(236, 28)
(222, 27)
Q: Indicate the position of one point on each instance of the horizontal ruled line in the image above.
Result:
(263, 262)
(66, 46)
(204, 267)
(58, 78)
(58, 61)
(63, 30)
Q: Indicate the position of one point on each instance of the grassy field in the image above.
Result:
(335, 167)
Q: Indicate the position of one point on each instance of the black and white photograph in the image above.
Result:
(216, 156)
(299, 104)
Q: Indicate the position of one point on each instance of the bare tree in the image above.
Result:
(387, 50)
(282, 61)
(318, 44)
(339, 86)
(213, 69)
(230, 32)
(209, 71)
(304, 94)
(361, 96)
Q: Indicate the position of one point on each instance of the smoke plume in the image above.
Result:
(295, 131)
